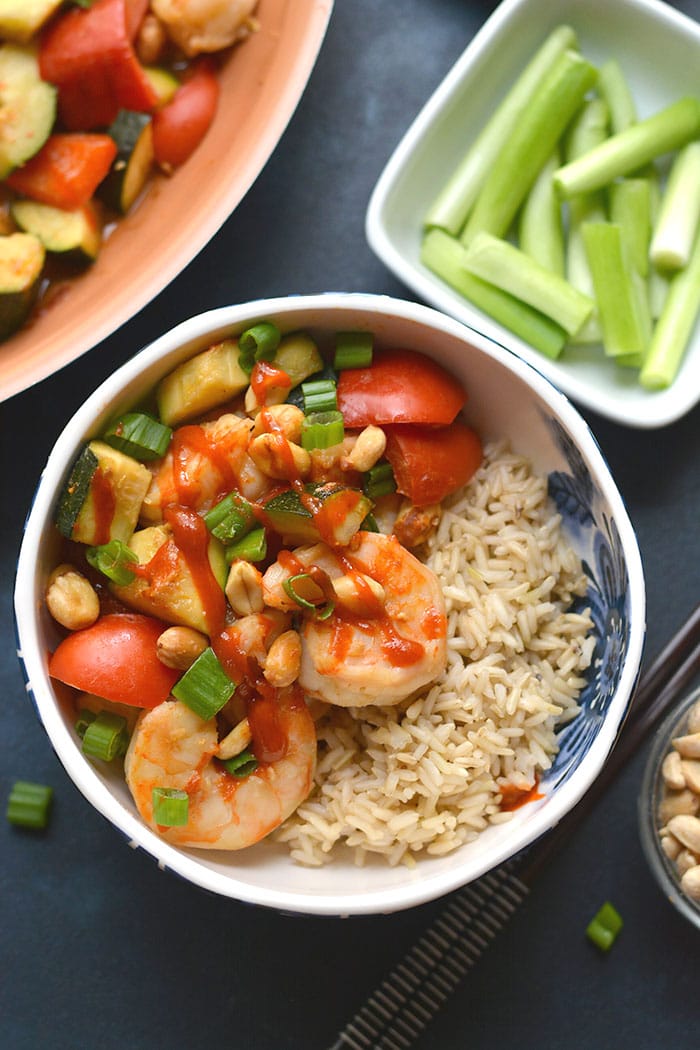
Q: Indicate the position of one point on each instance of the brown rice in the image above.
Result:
(425, 776)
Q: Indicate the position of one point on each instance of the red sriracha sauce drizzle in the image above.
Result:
(514, 797)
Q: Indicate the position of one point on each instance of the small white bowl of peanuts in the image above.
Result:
(669, 807)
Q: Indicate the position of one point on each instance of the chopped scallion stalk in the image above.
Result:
(631, 149)
(370, 524)
(112, 560)
(302, 581)
(139, 435)
(104, 736)
(170, 807)
(630, 206)
(454, 203)
(322, 430)
(240, 765)
(678, 220)
(672, 330)
(604, 927)
(540, 232)
(320, 395)
(502, 264)
(614, 88)
(379, 480)
(258, 343)
(231, 519)
(531, 142)
(620, 293)
(353, 350)
(205, 687)
(29, 804)
(83, 720)
(253, 547)
(444, 255)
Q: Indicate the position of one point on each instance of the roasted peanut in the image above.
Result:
(686, 859)
(71, 599)
(236, 741)
(686, 828)
(279, 458)
(678, 802)
(244, 588)
(283, 660)
(690, 768)
(151, 40)
(414, 525)
(671, 846)
(367, 450)
(179, 647)
(688, 746)
(672, 771)
(359, 594)
(286, 418)
(690, 883)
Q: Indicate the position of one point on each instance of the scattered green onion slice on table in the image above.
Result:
(29, 803)
(320, 395)
(604, 927)
(170, 807)
(322, 430)
(112, 560)
(252, 547)
(258, 343)
(240, 765)
(205, 687)
(353, 350)
(105, 736)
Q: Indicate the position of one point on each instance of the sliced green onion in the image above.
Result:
(615, 90)
(29, 804)
(139, 435)
(379, 480)
(531, 142)
(112, 560)
(540, 230)
(84, 719)
(258, 343)
(502, 264)
(620, 293)
(104, 737)
(205, 687)
(320, 395)
(231, 518)
(240, 765)
(444, 255)
(353, 350)
(631, 149)
(253, 547)
(322, 430)
(679, 213)
(454, 203)
(604, 927)
(672, 330)
(370, 524)
(170, 807)
(290, 587)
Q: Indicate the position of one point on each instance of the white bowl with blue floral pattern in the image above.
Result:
(507, 399)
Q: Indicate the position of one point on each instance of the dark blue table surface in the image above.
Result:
(101, 949)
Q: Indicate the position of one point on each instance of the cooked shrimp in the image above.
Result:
(171, 747)
(379, 656)
(203, 463)
(204, 25)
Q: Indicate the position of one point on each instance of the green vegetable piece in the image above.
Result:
(258, 343)
(604, 927)
(540, 230)
(450, 210)
(320, 395)
(379, 480)
(76, 491)
(353, 350)
(252, 547)
(241, 765)
(83, 720)
(139, 435)
(444, 255)
(615, 90)
(620, 293)
(674, 326)
(322, 430)
(170, 807)
(205, 687)
(112, 560)
(105, 736)
(29, 804)
(231, 518)
(630, 207)
(678, 219)
(631, 149)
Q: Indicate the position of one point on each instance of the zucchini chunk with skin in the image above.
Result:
(332, 513)
(167, 588)
(21, 262)
(298, 356)
(102, 498)
(20, 19)
(132, 166)
(27, 106)
(77, 233)
(205, 381)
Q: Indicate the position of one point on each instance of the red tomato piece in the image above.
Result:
(430, 463)
(116, 659)
(66, 171)
(400, 386)
(180, 126)
(88, 54)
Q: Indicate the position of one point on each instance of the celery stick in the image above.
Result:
(657, 281)
(588, 129)
(540, 230)
(531, 142)
(673, 329)
(449, 211)
(510, 269)
(615, 90)
(630, 206)
(444, 255)
(623, 153)
(620, 293)
(679, 215)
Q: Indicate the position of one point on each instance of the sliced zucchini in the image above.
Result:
(103, 496)
(133, 164)
(62, 232)
(334, 513)
(27, 105)
(20, 19)
(170, 594)
(163, 82)
(21, 263)
(205, 381)
(298, 356)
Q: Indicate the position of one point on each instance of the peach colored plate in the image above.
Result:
(261, 84)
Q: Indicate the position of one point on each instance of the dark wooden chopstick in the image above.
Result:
(410, 996)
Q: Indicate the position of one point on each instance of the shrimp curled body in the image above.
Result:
(171, 747)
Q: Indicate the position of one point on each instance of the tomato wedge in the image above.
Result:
(430, 463)
(116, 659)
(400, 386)
(180, 126)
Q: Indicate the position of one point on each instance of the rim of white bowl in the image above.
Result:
(85, 777)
